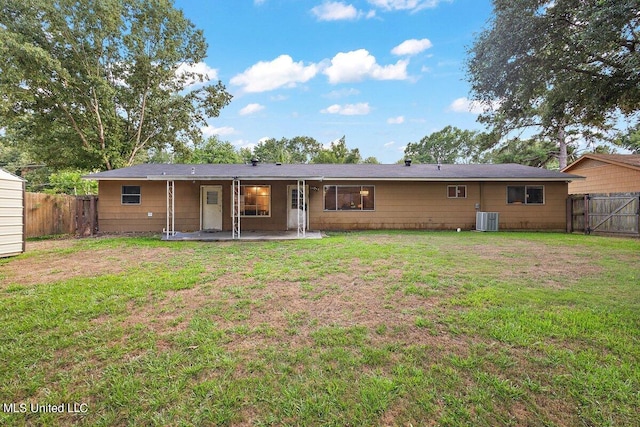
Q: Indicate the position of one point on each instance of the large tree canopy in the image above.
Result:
(558, 65)
(95, 83)
(449, 145)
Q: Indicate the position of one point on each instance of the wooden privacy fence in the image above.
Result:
(48, 214)
(616, 213)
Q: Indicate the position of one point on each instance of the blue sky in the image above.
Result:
(382, 73)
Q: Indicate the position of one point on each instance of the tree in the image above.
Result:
(449, 145)
(561, 66)
(71, 182)
(300, 149)
(630, 140)
(96, 83)
(338, 153)
(536, 153)
(215, 151)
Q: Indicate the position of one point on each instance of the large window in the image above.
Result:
(349, 197)
(525, 194)
(255, 200)
(130, 195)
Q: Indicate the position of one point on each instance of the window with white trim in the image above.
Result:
(130, 195)
(349, 197)
(525, 194)
(457, 191)
(255, 200)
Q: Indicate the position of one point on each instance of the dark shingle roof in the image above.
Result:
(263, 171)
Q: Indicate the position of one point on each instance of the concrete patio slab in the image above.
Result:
(215, 236)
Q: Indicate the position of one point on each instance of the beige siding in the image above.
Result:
(11, 215)
(113, 216)
(603, 177)
(398, 205)
(549, 216)
(426, 206)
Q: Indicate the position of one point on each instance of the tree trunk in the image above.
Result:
(562, 144)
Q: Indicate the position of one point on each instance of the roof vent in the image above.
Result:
(193, 171)
(278, 163)
(407, 162)
(254, 162)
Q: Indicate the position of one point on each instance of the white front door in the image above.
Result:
(295, 205)
(211, 207)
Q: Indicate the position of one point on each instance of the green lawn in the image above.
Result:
(371, 328)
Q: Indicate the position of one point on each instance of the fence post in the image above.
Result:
(587, 226)
(569, 213)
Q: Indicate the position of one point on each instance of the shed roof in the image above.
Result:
(394, 172)
(6, 176)
(625, 160)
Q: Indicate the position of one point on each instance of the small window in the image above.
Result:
(525, 194)
(212, 197)
(349, 197)
(457, 191)
(131, 195)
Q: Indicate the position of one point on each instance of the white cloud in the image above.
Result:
(208, 131)
(281, 72)
(465, 105)
(198, 68)
(251, 109)
(342, 93)
(243, 143)
(411, 5)
(359, 64)
(335, 11)
(395, 120)
(412, 47)
(339, 11)
(389, 144)
(359, 109)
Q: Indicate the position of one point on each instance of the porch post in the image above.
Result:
(235, 208)
(171, 213)
(302, 209)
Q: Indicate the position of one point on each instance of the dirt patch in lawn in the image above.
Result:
(545, 265)
(52, 264)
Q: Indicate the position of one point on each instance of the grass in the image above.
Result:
(367, 328)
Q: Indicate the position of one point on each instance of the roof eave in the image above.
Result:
(600, 159)
(333, 178)
(229, 178)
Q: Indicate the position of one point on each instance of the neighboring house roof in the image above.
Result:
(631, 161)
(264, 171)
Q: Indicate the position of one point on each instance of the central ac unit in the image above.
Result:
(487, 221)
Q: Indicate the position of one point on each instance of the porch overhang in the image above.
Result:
(232, 178)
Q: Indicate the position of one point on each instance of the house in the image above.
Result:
(12, 226)
(605, 173)
(274, 197)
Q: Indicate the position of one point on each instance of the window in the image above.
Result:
(130, 195)
(457, 191)
(349, 197)
(525, 194)
(255, 200)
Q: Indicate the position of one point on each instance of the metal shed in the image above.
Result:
(12, 226)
